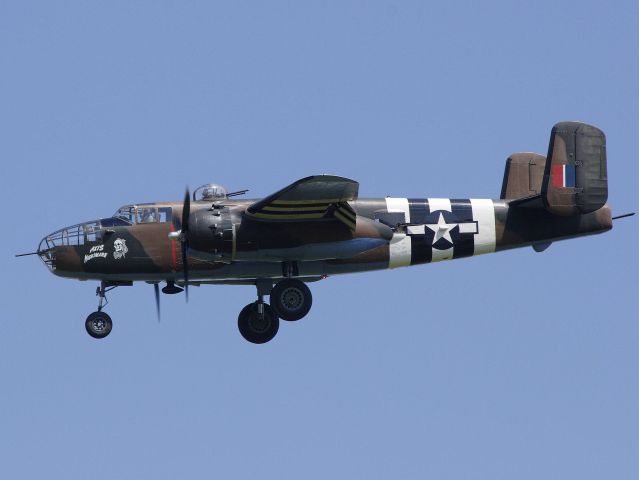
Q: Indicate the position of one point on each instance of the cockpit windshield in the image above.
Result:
(126, 213)
(132, 214)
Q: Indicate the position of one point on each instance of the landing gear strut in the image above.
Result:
(99, 324)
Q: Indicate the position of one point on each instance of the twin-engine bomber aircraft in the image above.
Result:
(318, 227)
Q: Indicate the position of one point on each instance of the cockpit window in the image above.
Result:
(164, 214)
(126, 213)
(140, 215)
(146, 215)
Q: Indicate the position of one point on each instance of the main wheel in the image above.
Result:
(258, 328)
(98, 324)
(291, 299)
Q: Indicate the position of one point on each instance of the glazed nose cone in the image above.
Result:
(46, 252)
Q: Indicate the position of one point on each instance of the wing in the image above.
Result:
(312, 198)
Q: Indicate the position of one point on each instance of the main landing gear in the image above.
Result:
(258, 322)
(291, 300)
(99, 324)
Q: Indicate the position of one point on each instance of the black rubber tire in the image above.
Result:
(291, 299)
(255, 330)
(98, 324)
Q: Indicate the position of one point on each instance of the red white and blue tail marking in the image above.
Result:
(563, 176)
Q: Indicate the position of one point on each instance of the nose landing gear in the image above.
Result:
(98, 324)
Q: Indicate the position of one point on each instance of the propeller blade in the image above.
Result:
(156, 287)
(185, 267)
(186, 212)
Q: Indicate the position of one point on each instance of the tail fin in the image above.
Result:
(523, 175)
(575, 177)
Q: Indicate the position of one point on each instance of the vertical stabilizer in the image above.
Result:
(575, 178)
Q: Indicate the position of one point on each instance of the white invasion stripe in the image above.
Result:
(439, 255)
(468, 227)
(399, 251)
(484, 214)
(398, 205)
(416, 229)
(439, 204)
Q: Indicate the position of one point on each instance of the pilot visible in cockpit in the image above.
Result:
(146, 215)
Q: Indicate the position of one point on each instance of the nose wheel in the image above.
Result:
(98, 324)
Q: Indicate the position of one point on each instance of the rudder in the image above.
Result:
(575, 176)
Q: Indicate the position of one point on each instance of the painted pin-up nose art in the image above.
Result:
(119, 249)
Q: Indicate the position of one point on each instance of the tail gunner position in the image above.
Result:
(318, 227)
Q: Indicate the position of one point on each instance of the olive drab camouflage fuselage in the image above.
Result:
(389, 233)
(317, 226)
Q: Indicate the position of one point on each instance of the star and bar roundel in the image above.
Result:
(441, 233)
(441, 229)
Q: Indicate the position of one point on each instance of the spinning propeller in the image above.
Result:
(156, 288)
(182, 236)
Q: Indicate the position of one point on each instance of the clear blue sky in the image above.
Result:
(514, 365)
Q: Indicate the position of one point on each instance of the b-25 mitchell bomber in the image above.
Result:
(317, 227)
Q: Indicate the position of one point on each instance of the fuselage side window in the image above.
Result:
(164, 214)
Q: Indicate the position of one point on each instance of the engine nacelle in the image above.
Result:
(213, 234)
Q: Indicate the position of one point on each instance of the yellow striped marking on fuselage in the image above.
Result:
(349, 222)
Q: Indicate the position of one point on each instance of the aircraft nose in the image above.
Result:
(46, 252)
(59, 250)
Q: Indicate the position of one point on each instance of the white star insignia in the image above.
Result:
(442, 229)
